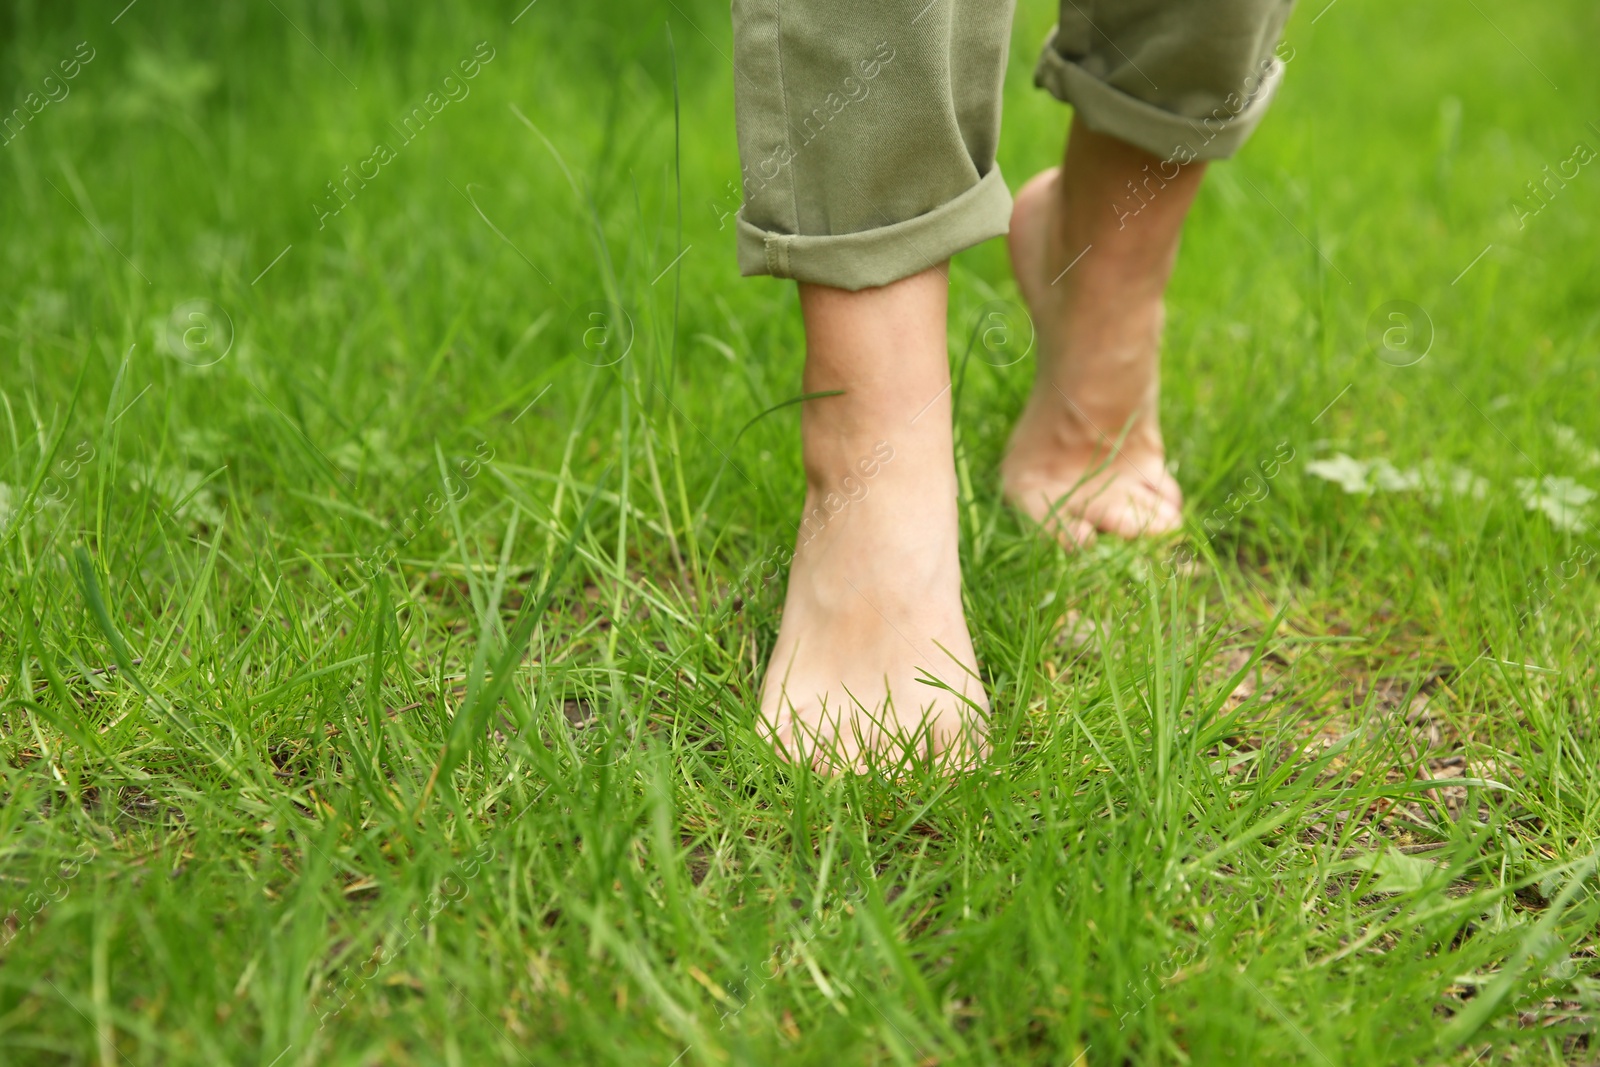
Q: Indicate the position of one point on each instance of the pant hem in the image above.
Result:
(886, 254)
(1111, 111)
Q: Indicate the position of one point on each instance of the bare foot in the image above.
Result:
(1087, 451)
(873, 655)
(873, 631)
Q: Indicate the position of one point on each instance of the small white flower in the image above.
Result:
(1577, 447)
(1348, 474)
(1391, 479)
(1365, 476)
(1464, 483)
(1440, 480)
(1561, 499)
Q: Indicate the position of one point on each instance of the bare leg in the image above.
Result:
(1087, 451)
(873, 610)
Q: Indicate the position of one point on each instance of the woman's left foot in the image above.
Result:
(1086, 453)
(1092, 263)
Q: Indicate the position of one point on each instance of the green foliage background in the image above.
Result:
(268, 801)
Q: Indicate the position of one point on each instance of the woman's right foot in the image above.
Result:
(873, 655)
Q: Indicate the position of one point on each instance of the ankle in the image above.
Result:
(840, 448)
(1118, 273)
(1096, 408)
(845, 469)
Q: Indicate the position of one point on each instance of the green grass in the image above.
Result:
(281, 786)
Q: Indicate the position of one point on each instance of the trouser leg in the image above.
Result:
(1182, 79)
(867, 134)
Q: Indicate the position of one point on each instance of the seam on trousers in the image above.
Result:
(783, 98)
(778, 256)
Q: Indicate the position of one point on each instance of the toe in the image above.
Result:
(1076, 533)
(1073, 533)
(1137, 511)
(781, 737)
(964, 747)
(1051, 512)
(1170, 489)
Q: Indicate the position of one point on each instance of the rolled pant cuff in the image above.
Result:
(886, 254)
(1111, 111)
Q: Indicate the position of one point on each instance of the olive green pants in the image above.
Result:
(867, 128)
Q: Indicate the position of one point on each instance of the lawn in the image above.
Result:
(395, 497)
